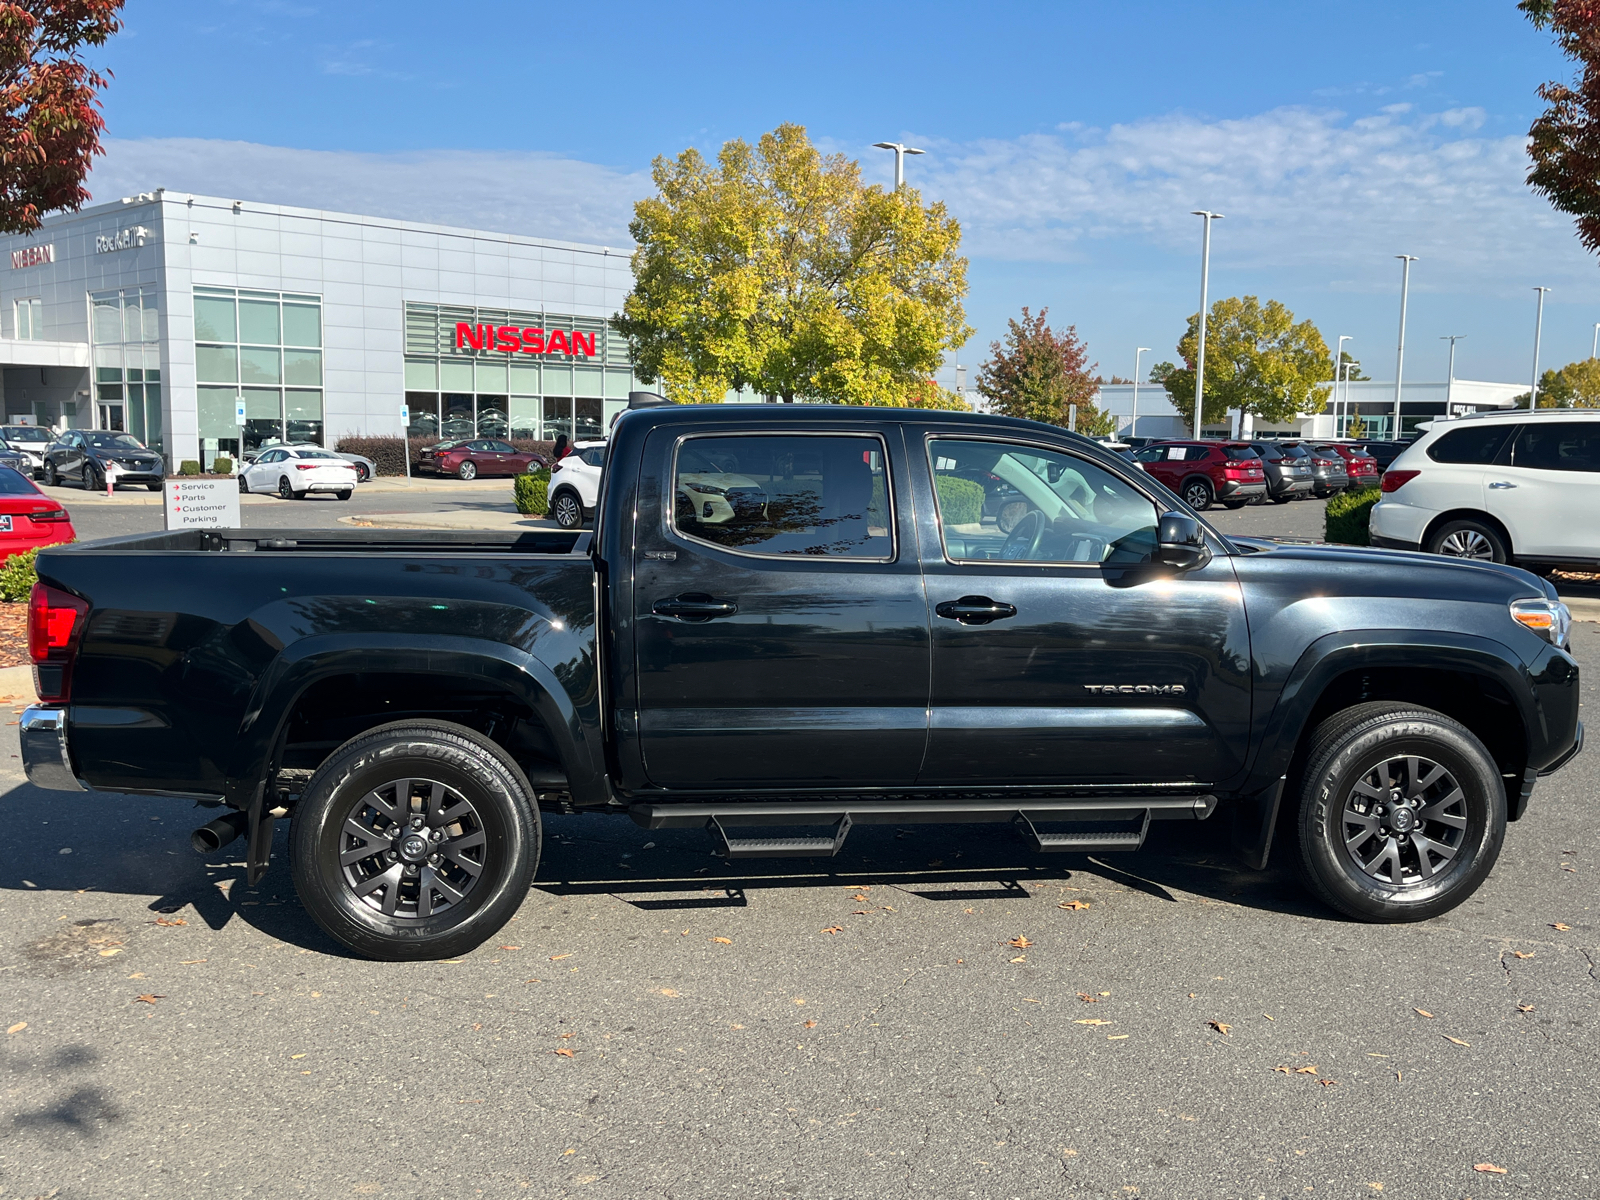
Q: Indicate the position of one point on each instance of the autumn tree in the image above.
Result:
(1041, 375)
(775, 269)
(50, 120)
(1258, 359)
(1564, 142)
(1576, 385)
(1350, 367)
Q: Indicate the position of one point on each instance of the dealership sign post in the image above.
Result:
(195, 503)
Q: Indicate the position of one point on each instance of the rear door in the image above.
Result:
(1547, 493)
(780, 626)
(1061, 654)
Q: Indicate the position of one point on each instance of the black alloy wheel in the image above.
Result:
(285, 491)
(94, 479)
(1402, 813)
(1197, 494)
(415, 840)
(567, 510)
(51, 479)
(468, 470)
(1469, 539)
(244, 488)
(362, 474)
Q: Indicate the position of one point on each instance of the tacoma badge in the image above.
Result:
(1137, 689)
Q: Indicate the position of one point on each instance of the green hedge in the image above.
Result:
(17, 577)
(188, 467)
(1347, 515)
(532, 492)
(222, 465)
(960, 500)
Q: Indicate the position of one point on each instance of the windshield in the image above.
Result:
(25, 433)
(13, 484)
(112, 441)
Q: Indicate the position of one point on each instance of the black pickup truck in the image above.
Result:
(786, 622)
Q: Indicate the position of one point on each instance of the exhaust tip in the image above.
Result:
(214, 835)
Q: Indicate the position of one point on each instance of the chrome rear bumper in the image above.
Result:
(44, 750)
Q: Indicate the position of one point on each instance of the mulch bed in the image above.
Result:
(14, 635)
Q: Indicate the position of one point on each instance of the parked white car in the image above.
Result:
(294, 472)
(29, 440)
(575, 484)
(1518, 486)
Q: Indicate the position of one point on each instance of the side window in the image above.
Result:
(1478, 445)
(1008, 502)
(595, 456)
(1155, 454)
(784, 494)
(1558, 446)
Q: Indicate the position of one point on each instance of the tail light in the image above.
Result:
(306, 466)
(1393, 481)
(50, 514)
(55, 621)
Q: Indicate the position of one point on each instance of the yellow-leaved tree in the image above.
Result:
(775, 269)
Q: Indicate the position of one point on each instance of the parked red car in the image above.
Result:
(1206, 472)
(28, 518)
(1362, 467)
(478, 456)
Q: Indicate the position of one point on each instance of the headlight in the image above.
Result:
(1550, 619)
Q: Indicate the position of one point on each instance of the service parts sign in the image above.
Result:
(202, 503)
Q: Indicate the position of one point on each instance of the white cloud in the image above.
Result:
(536, 194)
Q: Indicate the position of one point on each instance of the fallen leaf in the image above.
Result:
(18, 1027)
(862, 912)
(1021, 958)
(1285, 1070)
(195, 962)
(1377, 1187)
(511, 947)
(1225, 1030)
(1457, 1041)
(834, 929)
(1021, 943)
(1093, 1021)
(1192, 995)
(565, 1036)
(294, 1057)
(559, 957)
(1031, 1000)
(1305, 1070)
(1105, 993)
(1488, 1168)
(147, 999)
(1269, 1016)
(173, 921)
(811, 1024)
(1520, 954)
(1088, 999)
(1328, 1082)
(668, 992)
(1073, 904)
(723, 941)
(1524, 1008)
(859, 897)
(565, 1053)
(1115, 1037)
(1559, 925)
(1422, 1012)
(109, 953)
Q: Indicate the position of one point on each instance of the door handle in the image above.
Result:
(694, 606)
(975, 610)
(1501, 484)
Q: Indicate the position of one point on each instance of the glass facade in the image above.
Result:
(264, 348)
(125, 335)
(497, 378)
(30, 320)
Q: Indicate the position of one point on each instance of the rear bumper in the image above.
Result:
(45, 756)
(1233, 488)
(1389, 543)
(21, 543)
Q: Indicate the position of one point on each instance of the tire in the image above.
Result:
(154, 487)
(468, 470)
(1235, 503)
(1355, 756)
(362, 474)
(93, 480)
(1282, 498)
(1198, 494)
(567, 510)
(344, 495)
(285, 490)
(1477, 540)
(244, 488)
(51, 479)
(498, 835)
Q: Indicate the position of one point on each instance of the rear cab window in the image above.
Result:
(1474, 445)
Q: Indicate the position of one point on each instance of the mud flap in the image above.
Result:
(1255, 818)
(261, 823)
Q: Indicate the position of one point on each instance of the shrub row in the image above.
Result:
(532, 492)
(1347, 515)
(960, 500)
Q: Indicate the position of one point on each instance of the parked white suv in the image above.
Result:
(575, 484)
(1515, 486)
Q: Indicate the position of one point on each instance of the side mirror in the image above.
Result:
(1180, 542)
(1053, 471)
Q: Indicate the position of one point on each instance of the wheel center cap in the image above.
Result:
(1403, 819)
(414, 847)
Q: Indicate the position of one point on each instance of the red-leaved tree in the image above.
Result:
(50, 118)
(1565, 140)
(1042, 375)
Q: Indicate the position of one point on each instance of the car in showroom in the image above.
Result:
(471, 457)
(1508, 487)
(29, 520)
(31, 441)
(1206, 473)
(295, 472)
(91, 456)
(1288, 467)
(575, 484)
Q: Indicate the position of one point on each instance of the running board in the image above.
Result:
(1099, 835)
(780, 847)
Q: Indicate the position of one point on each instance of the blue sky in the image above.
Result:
(1070, 139)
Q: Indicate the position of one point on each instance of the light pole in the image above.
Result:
(1538, 328)
(1450, 372)
(900, 151)
(1338, 369)
(1133, 427)
(1205, 281)
(1400, 361)
(1594, 351)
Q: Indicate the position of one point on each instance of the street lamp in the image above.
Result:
(1400, 362)
(1133, 427)
(1538, 328)
(1450, 373)
(1594, 351)
(1338, 369)
(900, 151)
(1205, 279)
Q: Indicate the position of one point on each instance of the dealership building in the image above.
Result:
(168, 315)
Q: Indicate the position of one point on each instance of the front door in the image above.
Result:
(780, 628)
(1547, 490)
(1061, 653)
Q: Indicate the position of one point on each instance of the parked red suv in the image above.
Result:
(1205, 472)
(1359, 463)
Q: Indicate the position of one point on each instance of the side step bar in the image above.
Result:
(1094, 823)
